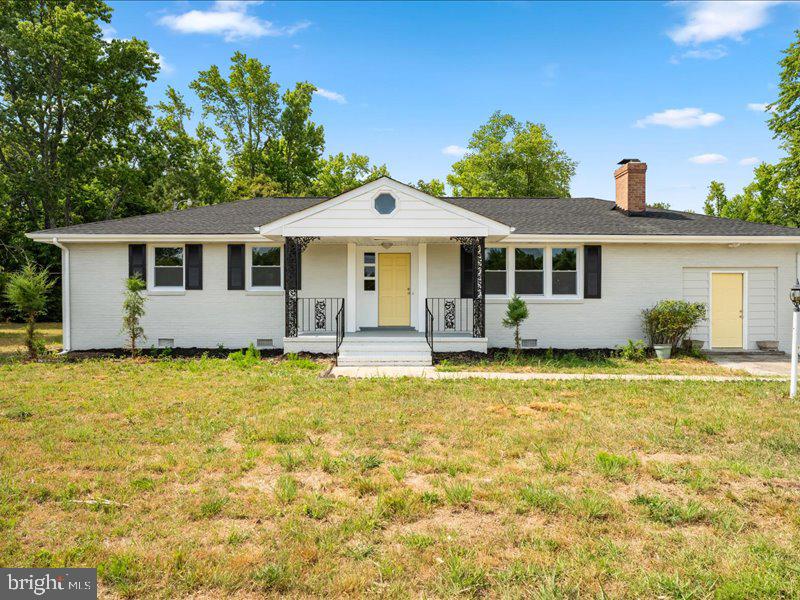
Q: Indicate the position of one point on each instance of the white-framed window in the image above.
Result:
(564, 271)
(369, 271)
(495, 265)
(264, 267)
(529, 271)
(534, 271)
(168, 267)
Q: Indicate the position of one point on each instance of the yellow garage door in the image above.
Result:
(727, 310)
(394, 289)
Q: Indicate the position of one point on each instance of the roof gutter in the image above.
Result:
(727, 240)
(65, 296)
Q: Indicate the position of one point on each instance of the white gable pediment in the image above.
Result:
(416, 214)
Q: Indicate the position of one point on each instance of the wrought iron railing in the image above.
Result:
(428, 325)
(318, 315)
(339, 330)
(451, 315)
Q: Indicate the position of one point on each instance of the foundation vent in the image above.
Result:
(530, 342)
(264, 343)
(166, 342)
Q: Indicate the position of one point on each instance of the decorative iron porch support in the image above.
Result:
(292, 249)
(475, 246)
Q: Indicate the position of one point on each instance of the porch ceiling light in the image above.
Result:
(794, 295)
(386, 245)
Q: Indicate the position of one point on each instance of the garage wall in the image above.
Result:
(761, 307)
(636, 276)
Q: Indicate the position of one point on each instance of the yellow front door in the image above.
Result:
(727, 306)
(394, 289)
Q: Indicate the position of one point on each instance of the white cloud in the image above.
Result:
(749, 161)
(708, 159)
(708, 21)
(706, 54)
(681, 118)
(166, 68)
(757, 106)
(108, 32)
(230, 19)
(454, 150)
(329, 95)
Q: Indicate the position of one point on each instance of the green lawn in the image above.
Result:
(215, 479)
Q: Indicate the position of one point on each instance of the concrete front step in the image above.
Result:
(384, 351)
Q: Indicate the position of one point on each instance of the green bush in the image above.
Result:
(669, 321)
(516, 313)
(633, 350)
(27, 292)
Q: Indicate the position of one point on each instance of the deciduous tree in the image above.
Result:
(508, 158)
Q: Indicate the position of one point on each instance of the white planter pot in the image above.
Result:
(663, 351)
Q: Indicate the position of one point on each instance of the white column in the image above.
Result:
(422, 283)
(352, 288)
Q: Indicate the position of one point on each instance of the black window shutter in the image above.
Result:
(194, 266)
(467, 287)
(592, 271)
(137, 261)
(235, 266)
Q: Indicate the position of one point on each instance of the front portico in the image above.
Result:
(389, 246)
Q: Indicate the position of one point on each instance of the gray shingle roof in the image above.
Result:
(579, 216)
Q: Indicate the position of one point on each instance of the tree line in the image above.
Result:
(774, 194)
(80, 143)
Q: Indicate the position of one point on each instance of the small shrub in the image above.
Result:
(27, 292)
(516, 313)
(133, 311)
(633, 350)
(669, 321)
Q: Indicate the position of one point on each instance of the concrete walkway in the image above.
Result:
(432, 373)
(757, 364)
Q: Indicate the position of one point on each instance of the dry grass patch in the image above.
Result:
(210, 479)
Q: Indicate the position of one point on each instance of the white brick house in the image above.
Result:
(388, 271)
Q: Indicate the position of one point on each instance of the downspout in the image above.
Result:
(65, 297)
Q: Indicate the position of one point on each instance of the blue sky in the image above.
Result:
(674, 84)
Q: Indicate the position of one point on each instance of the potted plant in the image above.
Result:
(669, 321)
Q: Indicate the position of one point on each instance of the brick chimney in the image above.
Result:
(630, 178)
